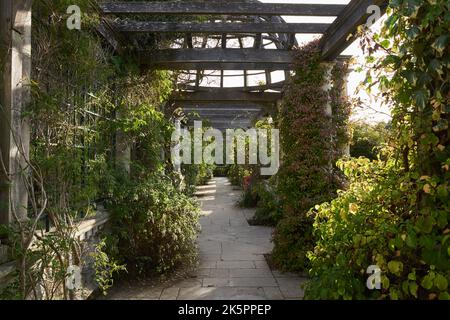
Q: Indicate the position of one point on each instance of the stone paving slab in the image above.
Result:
(232, 263)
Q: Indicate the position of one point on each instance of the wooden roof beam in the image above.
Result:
(336, 38)
(220, 8)
(218, 59)
(220, 27)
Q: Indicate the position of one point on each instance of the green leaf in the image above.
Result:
(440, 44)
(413, 288)
(420, 98)
(427, 282)
(441, 282)
(395, 267)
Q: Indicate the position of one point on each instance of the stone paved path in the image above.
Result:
(232, 263)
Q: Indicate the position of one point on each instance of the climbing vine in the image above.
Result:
(310, 137)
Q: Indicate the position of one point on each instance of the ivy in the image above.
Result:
(310, 142)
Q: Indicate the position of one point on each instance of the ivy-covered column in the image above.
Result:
(15, 62)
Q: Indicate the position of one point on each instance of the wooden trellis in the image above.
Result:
(227, 21)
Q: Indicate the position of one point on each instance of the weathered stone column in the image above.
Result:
(15, 63)
(328, 108)
(345, 149)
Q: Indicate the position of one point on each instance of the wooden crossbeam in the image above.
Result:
(218, 59)
(215, 94)
(274, 86)
(221, 8)
(337, 37)
(219, 27)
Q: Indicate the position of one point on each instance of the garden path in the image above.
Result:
(232, 263)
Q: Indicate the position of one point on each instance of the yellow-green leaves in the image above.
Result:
(395, 267)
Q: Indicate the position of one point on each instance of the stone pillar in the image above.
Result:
(328, 85)
(345, 151)
(15, 63)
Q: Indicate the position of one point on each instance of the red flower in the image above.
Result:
(247, 181)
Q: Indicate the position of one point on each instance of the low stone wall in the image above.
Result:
(89, 233)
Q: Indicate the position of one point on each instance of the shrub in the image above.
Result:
(250, 195)
(368, 139)
(197, 174)
(156, 225)
(374, 223)
(237, 173)
(268, 212)
(293, 239)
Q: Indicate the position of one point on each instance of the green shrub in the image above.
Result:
(221, 171)
(268, 212)
(156, 225)
(237, 173)
(293, 238)
(368, 139)
(197, 175)
(374, 223)
(249, 198)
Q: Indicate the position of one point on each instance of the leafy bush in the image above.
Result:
(268, 212)
(220, 171)
(368, 139)
(395, 212)
(197, 174)
(293, 239)
(156, 225)
(105, 267)
(374, 223)
(250, 197)
(237, 173)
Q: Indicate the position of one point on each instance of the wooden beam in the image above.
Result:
(219, 27)
(274, 86)
(108, 32)
(336, 38)
(218, 59)
(221, 8)
(216, 94)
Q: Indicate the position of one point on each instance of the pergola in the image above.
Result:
(223, 22)
(230, 25)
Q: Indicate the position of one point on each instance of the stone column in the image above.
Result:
(345, 150)
(328, 108)
(15, 63)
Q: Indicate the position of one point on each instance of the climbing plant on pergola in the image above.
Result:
(232, 35)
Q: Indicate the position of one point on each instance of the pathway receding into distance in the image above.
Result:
(232, 263)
